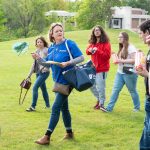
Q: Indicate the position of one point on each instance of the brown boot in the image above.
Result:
(68, 136)
(43, 140)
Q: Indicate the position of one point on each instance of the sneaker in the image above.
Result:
(97, 104)
(136, 110)
(103, 109)
(30, 109)
(97, 107)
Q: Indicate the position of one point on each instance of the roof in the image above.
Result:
(60, 13)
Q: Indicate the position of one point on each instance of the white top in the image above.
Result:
(131, 49)
(43, 54)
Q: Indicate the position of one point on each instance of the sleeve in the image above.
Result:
(74, 49)
(45, 52)
(105, 52)
(43, 62)
(132, 49)
(31, 70)
(87, 50)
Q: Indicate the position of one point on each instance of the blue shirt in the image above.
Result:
(59, 53)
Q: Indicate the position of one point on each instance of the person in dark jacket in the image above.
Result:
(145, 36)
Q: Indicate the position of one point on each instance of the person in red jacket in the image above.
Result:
(100, 50)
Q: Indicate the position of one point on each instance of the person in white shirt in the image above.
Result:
(125, 73)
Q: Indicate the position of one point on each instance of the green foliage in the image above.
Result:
(24, 15)
(143, 4)
(92, 12)
(56, 5)
(2, 19)
(51, 18)
(73, 6)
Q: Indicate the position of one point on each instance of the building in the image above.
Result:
(63, 14)
(127, 18)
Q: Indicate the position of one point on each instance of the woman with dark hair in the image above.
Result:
(125, 74)
(42, 74)
(58, 52)
(100, 50)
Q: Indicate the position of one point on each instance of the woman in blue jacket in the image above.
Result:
(58, 52)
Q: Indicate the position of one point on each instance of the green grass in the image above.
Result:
(94, 130)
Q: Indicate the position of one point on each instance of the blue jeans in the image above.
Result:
(98, 89)
(145, 139)
(130, 81)
(40, 82)
(60, 104)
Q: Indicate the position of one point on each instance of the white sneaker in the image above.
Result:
(136, 110)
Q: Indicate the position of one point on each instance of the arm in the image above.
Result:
(128, 61)
(44, 62)
(89, 50)
(73, 61)
(31, 70)
(105, 52)
(41, 61)
(76, 54)
(143, 72)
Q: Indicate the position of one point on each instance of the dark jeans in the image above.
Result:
(145, 139)
(40, 82)
(60, 104)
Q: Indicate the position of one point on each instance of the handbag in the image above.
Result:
(80, 77)
(61, 88)
(127, 70)
(25, 84)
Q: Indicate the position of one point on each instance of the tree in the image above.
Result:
(2, 18)
(56, 5)
(143, 4)
(24, 15)
(92, 12)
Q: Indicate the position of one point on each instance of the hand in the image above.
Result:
(120, 60)
(64, 64)
(95, 48)
(148, 39)
(142, 72)
(35, 56)
(90, 50)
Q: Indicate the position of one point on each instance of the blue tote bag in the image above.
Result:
(80, 77)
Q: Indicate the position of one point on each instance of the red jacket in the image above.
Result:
(101, 57)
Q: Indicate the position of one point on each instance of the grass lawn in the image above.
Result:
(94, 130)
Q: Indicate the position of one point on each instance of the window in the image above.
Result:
(116, 22)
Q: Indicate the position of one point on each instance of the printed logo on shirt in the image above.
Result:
(63, 51)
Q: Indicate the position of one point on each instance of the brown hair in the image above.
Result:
(145, 26)
(123, 47)
(50, 33)
(43, 40)
(103, 37)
